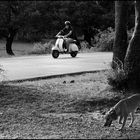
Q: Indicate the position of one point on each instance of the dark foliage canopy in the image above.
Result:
(39, 19)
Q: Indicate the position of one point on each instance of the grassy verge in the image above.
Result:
(67, 107)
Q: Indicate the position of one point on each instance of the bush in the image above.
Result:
(2, 75)
(40, 48)
(84, 46)
(117, 78)
(105, 39)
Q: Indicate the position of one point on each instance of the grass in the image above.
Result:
(67, 107)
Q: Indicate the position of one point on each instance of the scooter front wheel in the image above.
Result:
(55, 53)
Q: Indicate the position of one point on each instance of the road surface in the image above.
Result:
(25, 67)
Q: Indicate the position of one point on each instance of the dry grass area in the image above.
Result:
(67, 107)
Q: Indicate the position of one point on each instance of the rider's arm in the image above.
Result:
(61, 32)
(67, 35)
(58, 34)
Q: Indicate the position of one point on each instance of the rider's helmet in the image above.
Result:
(67, 23)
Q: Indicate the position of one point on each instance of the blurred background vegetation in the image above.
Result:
(38, 20)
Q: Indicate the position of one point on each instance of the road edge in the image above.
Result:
(52, 76)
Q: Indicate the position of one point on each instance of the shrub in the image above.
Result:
(84, 46)
(2, 75)
(117, 78)
(40, 48)
(105, 39)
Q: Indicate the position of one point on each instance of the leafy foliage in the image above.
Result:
(117, 78)
(40, 48)
(105, 39)
(40, 19)
(14, 16)
(43, 19)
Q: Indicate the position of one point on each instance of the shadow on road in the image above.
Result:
(68, 58)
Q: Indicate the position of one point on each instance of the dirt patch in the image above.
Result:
(53, 108)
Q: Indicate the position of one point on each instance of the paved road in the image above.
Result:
(17, 68)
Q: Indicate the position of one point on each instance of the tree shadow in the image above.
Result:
(47, 102)
(83, 106)
(17, 95)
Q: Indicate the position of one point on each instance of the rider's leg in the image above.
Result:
(64, 44)
(68, 41)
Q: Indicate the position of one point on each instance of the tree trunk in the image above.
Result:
(120, 42)
(132, 59)
(9, 42)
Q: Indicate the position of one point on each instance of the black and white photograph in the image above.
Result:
(69, 69)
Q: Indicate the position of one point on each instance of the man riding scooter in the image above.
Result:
(68, 34)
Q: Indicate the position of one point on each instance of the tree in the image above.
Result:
(120, 42)
(132, 58)
(13, 17)
(54, 13)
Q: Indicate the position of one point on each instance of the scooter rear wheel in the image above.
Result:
(55, 53)
(73, 54)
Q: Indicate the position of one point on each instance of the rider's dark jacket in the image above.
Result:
(65, 31)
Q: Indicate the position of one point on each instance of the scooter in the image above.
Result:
(59, 49)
